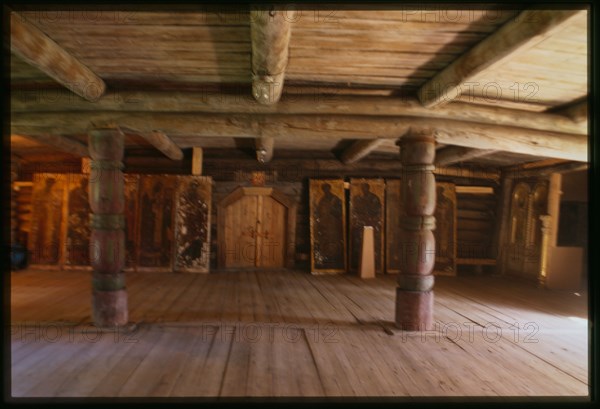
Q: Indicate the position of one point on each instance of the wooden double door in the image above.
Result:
(254, 229)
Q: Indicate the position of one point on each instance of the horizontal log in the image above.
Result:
(184, 127)
(473, 240)
(475, 214)
(474, 191)
(545, 171)
(517, 35)
(466, 204)
(483, 226)
(36, 48)
(56, 100)
(476, 261)
(223, 169)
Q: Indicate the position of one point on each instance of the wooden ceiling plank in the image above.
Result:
(529, 28)
(33, 46)
(270, 32)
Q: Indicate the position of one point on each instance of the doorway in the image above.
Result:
(256, 229)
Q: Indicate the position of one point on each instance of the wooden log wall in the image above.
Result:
(23, 192)
(476, 220)
(290, 176)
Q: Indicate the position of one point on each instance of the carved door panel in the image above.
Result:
(240, 233)
(270, 233)
(255, 229)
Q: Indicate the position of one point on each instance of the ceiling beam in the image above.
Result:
(160, 141)
(359, 150)
(452, 154)
(37, 49)
(264, 149)
(526, 30)
(270, 31)
(578, 111)
(163, 101)
(183, 128)
(61, 143)
(516, 173)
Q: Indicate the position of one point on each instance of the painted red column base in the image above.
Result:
(109, 308)
(414, 310)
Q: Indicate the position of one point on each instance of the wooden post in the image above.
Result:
(367, 255)
(414, 294)
(197, 160)
(107, 240)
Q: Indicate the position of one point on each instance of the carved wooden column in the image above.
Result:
(107, 241)
(414, 295)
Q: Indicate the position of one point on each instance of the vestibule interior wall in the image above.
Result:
(475, 213)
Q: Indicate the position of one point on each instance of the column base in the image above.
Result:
(414, 310)
(109, 308)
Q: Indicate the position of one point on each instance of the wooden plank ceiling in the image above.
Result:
(338, 53)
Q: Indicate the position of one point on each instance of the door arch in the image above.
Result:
(256, 229)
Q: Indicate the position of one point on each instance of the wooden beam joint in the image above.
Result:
(270, 32)
(359, 150)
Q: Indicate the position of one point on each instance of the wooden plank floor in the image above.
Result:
(289, 333)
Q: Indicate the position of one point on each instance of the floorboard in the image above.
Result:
(289, 334)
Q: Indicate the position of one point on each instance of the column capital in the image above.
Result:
(419, 133)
